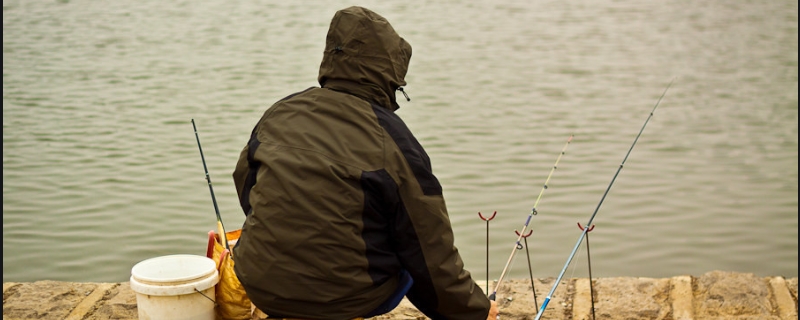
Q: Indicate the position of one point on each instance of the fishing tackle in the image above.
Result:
(530, 268)
(221, 229)
(517, 245)
(587, 229)
(487, 244)
(589, 259)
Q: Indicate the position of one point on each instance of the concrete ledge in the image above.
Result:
(787, 305)
(714, 295)
(91, 301)
(681, 296)
(582, 301)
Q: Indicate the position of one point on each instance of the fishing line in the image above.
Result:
(586, 229)
(574, 267)
(518, 245)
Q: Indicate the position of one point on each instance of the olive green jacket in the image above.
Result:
(340, 196)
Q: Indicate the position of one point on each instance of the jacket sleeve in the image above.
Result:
(244, 175)
(442, 288)
(239, 177)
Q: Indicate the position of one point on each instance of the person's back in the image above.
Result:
(340, 198)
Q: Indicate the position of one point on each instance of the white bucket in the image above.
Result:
(175, 287)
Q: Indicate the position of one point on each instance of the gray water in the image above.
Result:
(101, 168)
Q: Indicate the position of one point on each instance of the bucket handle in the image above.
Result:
(207, 297)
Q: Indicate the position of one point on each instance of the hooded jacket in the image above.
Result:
(340, 196)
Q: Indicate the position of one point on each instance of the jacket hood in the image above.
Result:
(364, 56)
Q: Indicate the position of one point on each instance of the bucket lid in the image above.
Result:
(173, 268)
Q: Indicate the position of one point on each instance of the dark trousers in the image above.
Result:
(395, 298)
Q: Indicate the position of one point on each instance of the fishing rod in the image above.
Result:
(517, 245)
(220, 228)
(586, 229)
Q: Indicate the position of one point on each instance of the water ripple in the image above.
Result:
(101, 167)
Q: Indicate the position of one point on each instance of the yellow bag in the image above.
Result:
(232, 300)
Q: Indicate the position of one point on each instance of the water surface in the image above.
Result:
(101, 169)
